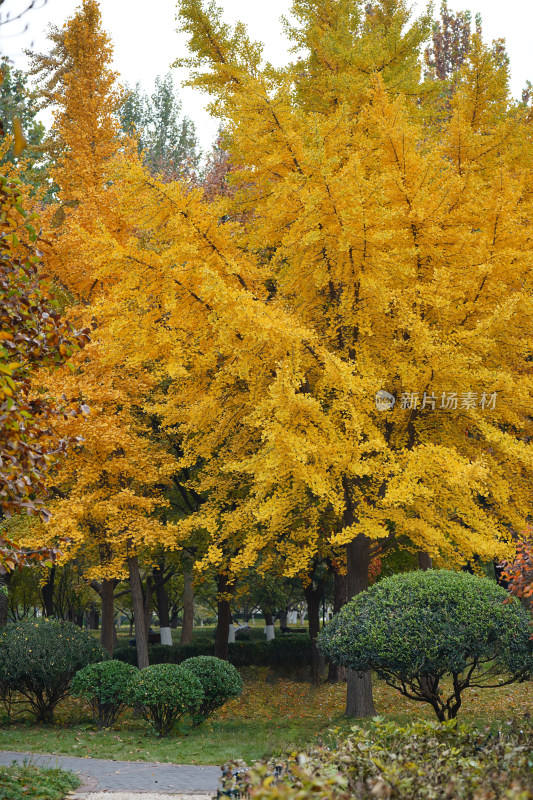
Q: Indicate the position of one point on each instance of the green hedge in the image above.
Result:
(288, 652)
(383, 760)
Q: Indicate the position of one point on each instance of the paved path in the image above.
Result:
(127, 776)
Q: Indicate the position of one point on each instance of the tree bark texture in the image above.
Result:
(93, 619)
(161, 598)
(359, 701)
(4, 599)
(107, 594)
(313, 597)
(424, 560)
(147, 605)
(47, 593)
(141, 636)
(224, 617)
(188, 609)
(269, 625)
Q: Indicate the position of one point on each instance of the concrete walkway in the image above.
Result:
(127, 777)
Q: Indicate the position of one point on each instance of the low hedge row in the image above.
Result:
(289, 652)
(387, 761)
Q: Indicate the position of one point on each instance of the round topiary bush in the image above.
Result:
(39, 658)
(415, 628)
(164, 693)
(105, 686)
(220, 682)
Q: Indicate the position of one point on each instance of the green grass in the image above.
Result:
(273, 715)
(214, 743)
(23, 781)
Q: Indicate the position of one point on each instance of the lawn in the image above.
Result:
(274, 714)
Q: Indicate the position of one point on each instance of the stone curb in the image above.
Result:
(103, 795)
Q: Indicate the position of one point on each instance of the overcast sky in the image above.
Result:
(146, 42)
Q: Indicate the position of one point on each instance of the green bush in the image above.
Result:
(289, 652)
(39, 658)
(24, 781)
(248, 654)
(164, 693)
(292, 652)
(165, 654)
(415, 628)
(105, 686)
(220, 682)
(422, 761)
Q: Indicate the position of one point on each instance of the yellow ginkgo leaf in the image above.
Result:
(20, 140)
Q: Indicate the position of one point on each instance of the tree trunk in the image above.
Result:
(174, 617)
(47, 593)
(269, 626)
(141, 637)
(93, 619)
(4, 598)
(424, 560)
(313, 597)
(188, 609)
(147, 606)
(224, 617)
(359, 701)
(107, 593)
(161, 598)
(283, 619)
(337, 673)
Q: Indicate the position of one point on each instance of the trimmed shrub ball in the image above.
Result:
(220, 682)
(105, 686)
(417, 627)
(164, 693)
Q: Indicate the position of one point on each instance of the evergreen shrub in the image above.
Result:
(164, 693)
(220, 682)
(105, 686)
(290, 652)
(415, 628)
(39, 658)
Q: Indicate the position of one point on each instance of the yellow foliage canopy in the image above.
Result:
(386, 246)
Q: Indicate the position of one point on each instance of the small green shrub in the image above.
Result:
(22, 781)
(39, 658)
(423, 760)
(415, 628)
(164, 693)
(105, 686)
(220, 682)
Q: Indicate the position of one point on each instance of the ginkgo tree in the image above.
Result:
(378, 241)
(109, 493)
